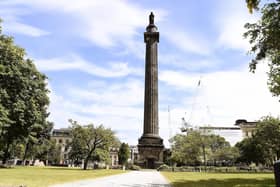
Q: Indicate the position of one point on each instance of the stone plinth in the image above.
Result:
(150, 152)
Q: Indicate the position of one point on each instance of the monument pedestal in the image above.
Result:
(150, 149)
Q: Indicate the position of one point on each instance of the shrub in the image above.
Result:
(133, 167)
(163, 167)
(6, 166)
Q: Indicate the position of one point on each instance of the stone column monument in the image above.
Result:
(150, 145)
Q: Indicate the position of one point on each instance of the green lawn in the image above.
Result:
(190, 179)
(45, 176)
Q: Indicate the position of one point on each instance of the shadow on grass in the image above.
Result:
(226, 183)
(68, 169)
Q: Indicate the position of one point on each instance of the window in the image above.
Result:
(60, 140)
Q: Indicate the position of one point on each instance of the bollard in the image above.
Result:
(277, 173)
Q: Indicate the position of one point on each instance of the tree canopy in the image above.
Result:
(23, 96)
(264, 38)
(264, 146)
(252, 5)
(89, 141)
(123, 153)
(196, 147)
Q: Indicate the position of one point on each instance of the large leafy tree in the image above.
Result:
(264, 146)
(196, 147)
(251, 151)
(23, 96)
(268, 134)
(186, 149)
(220, 149)
(265, 40)
(252, 4)
(88, 140)
(123, 153)
(37, 141)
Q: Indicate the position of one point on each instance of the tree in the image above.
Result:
(186, 149)
(87, 140)
(101, 155)
(268, 134)
(252, 4)
(220, 150)
(123, 154)
(264, 146)
(53, 152)
(265, 40)
(251, 151)
(228, 154)
(23, 95)
(197, 147)
(38, 139)
(4, 120)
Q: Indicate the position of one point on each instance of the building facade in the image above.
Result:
(247, 128)
(62, 138)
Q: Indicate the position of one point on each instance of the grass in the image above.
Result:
(45, 176)
(191, 179)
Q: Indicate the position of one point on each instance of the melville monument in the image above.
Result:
(150, 144)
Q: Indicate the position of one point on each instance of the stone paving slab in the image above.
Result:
(130, 179)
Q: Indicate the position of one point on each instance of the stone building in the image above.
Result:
(62, 137)
(133, 154)
(114, 156)
(246, 127)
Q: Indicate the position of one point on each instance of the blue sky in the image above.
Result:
(93, 53)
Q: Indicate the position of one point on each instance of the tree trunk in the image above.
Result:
(204, 156)
(88, 156)
(6, 153)
(25, 153)
(277, 155)
(86, 163)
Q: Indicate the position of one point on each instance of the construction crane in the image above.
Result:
(186, 124)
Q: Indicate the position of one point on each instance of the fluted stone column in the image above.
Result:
(151, 38)
(150, 145)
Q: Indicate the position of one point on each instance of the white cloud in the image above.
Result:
(231, 18)
(111, 109)
(106, 23)
(74, 62)
(177, 60)
(118, 106)
(128, 93)
(185, 41)
(229, 95)
(179, 79)
(222, 97)
(12, 22)
(20, 28)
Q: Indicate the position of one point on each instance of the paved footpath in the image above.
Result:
(130, 179)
